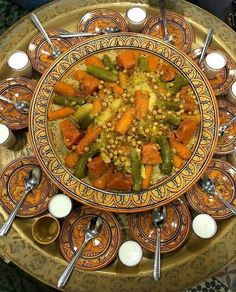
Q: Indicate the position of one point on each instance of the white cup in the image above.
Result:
(130, 253)
(204, 226)
(214, 62)
(231, 94)
(60, 206)
(19, 64)
(7, 138)
(136, 17)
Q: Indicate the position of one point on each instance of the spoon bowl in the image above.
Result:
(92, 230)
(167, 36)
(31, 182)
(207, 185)
(225, 126)
(21, 105)
(55, 52)
(158, 219)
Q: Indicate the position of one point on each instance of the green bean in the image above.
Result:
(166, 155)
(102, 73)
(143, 63)
(67, 100)
(179, 82)
(172, 120)
(81, 167)
(107, 62)
(169, 105)
(136, 169)
(162, 84)
(83, 111)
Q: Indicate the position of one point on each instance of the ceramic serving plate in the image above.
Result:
(227, 143)
(100, 19)
(225, 78)
(39, 51)
(101, 250)
(16, 89)
(165, 190)
(12, 186)
(174, 231)
(224, 175)
(179, 29)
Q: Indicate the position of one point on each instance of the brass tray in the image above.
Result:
(197, 259)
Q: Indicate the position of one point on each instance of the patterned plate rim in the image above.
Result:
(226, 166)
(168, 189)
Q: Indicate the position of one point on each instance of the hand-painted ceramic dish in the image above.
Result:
(12, 186)
(16, 89)
(179, 29)
(174, 231)
(40, 53)
(100, 251)
(227, 143)
(100, 19)
(223, 80)
(168, 188)
(224, 175)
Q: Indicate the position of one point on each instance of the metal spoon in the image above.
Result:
(225, 126)
(158, 219)
(91, 232)
(206, 44)
(167, 36)
(208, 186)
(31, 182)
(98, 31)
(56, 53)
(21, 106)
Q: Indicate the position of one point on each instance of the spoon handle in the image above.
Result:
(230, 122)
(12, 216)
(6, 99)
(157, 257)
(206, 45)
(163, 16)
(42, 30)
(227, 204)
(77, 34)
(66, 274)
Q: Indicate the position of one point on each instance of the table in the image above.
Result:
(196, 260)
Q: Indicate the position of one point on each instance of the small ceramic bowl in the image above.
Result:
(60, 206)
(45, 229)
(227, 143)
(224, 79)
(16, 89)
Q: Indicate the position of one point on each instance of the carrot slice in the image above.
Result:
(60, 113)
(147, 180)
(150, 154)
(97, 167)
(141, 102)
(89, 137)
(94, 60)
(97, 106)
(169, 72)
(180, 148)
(120, 181)
(177, 161)
(186, 130)
(153, 62)
(89, 84)
(123, 79)
(126, 60)
(71, 134)
(64, 88)
(125, 121)
(71, 159)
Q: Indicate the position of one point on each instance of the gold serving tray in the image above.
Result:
(197, 259)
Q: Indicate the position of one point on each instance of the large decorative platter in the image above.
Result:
(166, 189)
